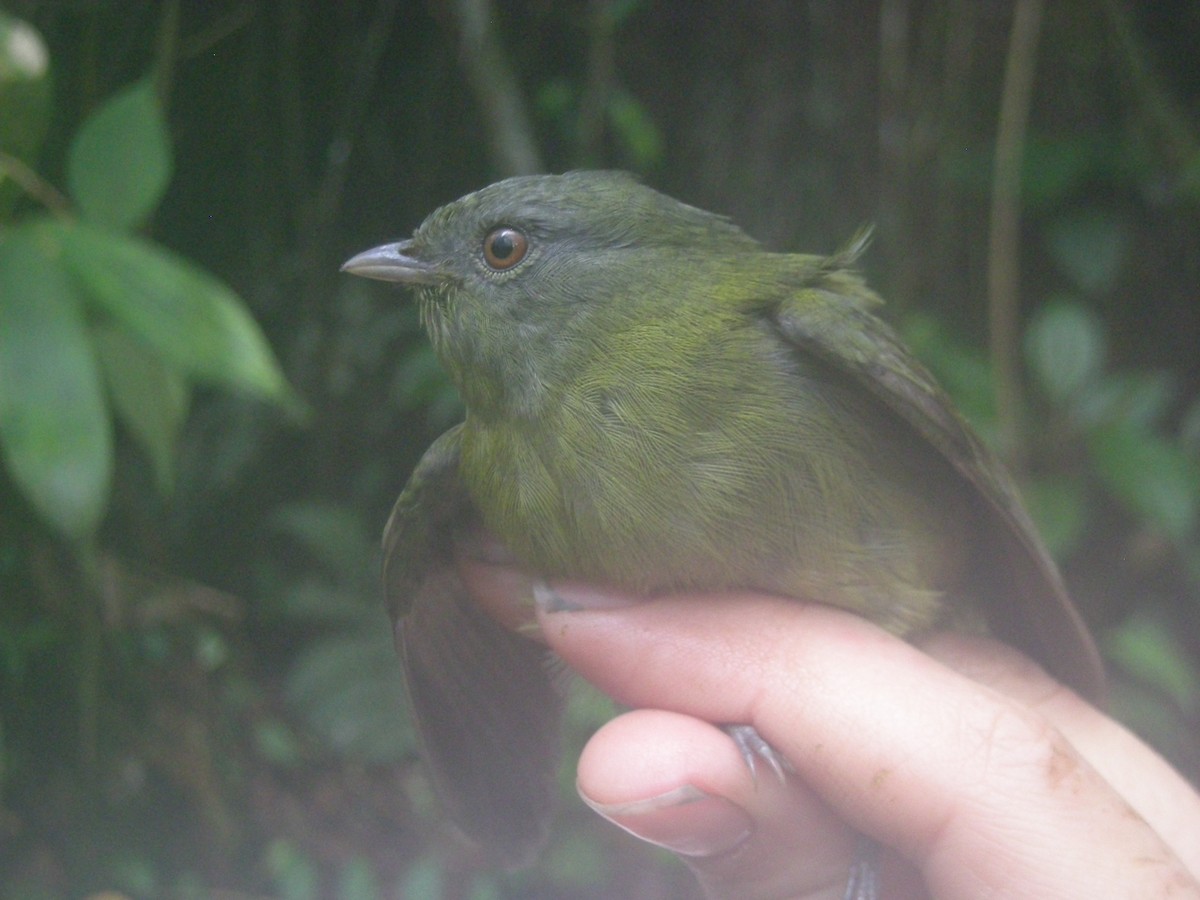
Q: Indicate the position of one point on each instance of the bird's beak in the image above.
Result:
(391, 262)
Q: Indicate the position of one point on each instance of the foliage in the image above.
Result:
(197, 687)
(89, 310)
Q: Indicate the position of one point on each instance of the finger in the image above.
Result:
(975, 788)
(679, 782)
(1160, 794)
(504, 591)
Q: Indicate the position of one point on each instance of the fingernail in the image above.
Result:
(686, 821)
(572, 597)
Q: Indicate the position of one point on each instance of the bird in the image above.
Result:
(656, 402)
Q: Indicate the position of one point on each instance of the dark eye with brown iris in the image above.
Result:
(504, 247)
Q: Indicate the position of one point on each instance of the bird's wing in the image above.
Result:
(482, 698)
(829, 318)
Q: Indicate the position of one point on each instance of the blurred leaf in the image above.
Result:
(420, 382)
(1189, 178)
(357, 881)
(962, 370)
(1151, 477)
(575, 860)
(1135, 398)
(1065, 348)
(20, 644)
(1090, 247)
(333, 534)
(294, 875)
(555, 100)
(190, 318)
(119, 164)
(276, 743)
(1146, 648)
(423, 881)
(150, 398)
(484, 887)
(1189, 427)
(1148, 712)
(316, 600)
(1059, 507)
(620, 10)
(211, 649)
(636, 129)
(54, 423)
(348, 689)
(25, 95)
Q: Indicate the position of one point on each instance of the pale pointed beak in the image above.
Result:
(391, 262)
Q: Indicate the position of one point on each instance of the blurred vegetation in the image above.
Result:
(197, 690)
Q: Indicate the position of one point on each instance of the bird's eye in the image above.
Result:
(504, 247)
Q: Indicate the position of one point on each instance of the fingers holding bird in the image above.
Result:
(974, 785)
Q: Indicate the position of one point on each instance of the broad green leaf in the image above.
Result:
(186, 315)
(1151, 477)
(120, 161)
(1065, 348)
(54, 424)
(150, 398)
(25, 96)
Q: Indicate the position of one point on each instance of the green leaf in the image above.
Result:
(192, 320)
(357, 881)
(333, 534)
(1189, 427)
(119, 164)
(349, 690)
(636, 129)
(1059, 507)
(1147, 648)
(294, 875)
(1135, 398)
(1152, 477)
(25, 95)
(54, 423)
(1090, 247)
(1065, 348)
(150, 398)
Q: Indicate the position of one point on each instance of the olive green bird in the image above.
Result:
(655, 402)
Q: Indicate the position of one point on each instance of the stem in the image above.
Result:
(597, 90)
(34, 185)
(166, 51)
(1004, 238)
(1165, 121)
(495, 85)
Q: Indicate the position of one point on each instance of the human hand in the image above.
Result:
(979, 774)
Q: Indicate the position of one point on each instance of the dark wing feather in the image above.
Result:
(830, 319)
(482, 698)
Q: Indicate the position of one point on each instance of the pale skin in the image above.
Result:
(979, 775)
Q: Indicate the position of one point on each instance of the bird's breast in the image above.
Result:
(722, 472)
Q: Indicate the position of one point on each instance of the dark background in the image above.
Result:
(219, 713)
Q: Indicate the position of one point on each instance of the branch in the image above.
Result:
(500, 100)
(1004, 237)
(34, 185)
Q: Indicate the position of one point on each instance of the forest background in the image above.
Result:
(203, 424)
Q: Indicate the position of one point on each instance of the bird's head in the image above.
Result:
(518, 279)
